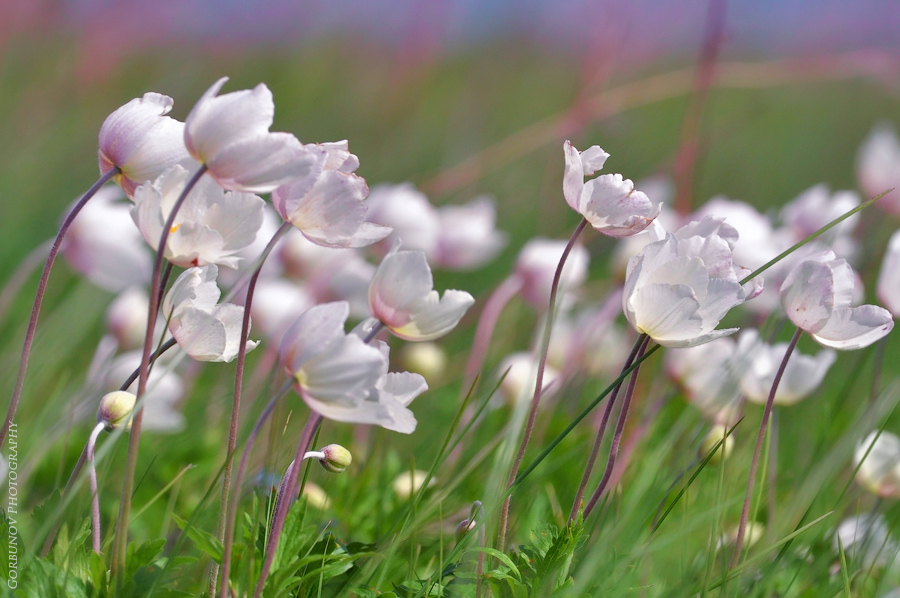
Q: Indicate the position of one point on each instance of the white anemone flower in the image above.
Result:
(141, 141)
(866, 538)
(402, 297)
(327, 206)
(817, 295)
(889, 278)
(536, 267)
(878, 460)
(211, 227)
(678, 289)
(204, 330)
(802, 375)
(710, 376)
(409, 213)
(342, 378)
(229, 133)
(609, 202)
(878, 166)
(468, 238)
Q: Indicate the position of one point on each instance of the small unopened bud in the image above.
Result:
(406, 484)
(427, 359)
(336, 459)
(753, 533)
(715, 436)
(115, 409)
(464, 527)
(315, 496)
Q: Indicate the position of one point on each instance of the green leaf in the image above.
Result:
(207, 543)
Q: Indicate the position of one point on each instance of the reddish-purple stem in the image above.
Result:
(486, 324)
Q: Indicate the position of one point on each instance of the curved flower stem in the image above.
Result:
(39, 299)
(757, 450)
(231, 520)
(538, 383)
(604, 421)
(617, 438)
(120, 543)
(378, 327)
(134, 375)
(236, 401)
(284, 501)
(486, 324)
(95, 497)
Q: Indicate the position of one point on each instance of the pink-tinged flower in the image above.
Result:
(878, 459)
(756, 241)
(817, 295)
(467, 237)
(878, 166)
(126, 318)
(141, 141)
(802, 375)
(341, 377)
(889, 277)
(230, 135)
(328, 207)
(104, 245)
(204, 330)
(816, 207)
(276, 304)
(609, 202)
(211, 227)
(710, 376)
(521, 371)
(679, 288)
(402, 297)
(536, 266)
(408, 211)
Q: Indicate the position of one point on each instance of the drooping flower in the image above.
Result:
(402, 297)
(817, 295)
(536, 266)
(679, 288)
(341, 377)
(328, 207)
(229, 133)
(141, 141)
(609, 202)
(204, 329)
(211, 227)
(878, 166)
(802, 374)
(878, 460)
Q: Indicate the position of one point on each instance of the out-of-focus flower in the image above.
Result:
(328, 208)
(710, 376)
(164, 391)
(104, 245)
(342, 378)
(204, 330)
(609, 202)
(409, 213)
(518, 385)
(817, 295)
(141, 141)
(889, 277)
(867, 539)
(878, 459)
(717, 439)
(536, 266)
(276, 304)
(467, 237)
(315, 496)
(126, 318)
(802, 374)
(402, 297)
(816, 207)
(756, 241)
(752, 534)
(229, 133)
(679, 288)
(408, 483)
(878, 166)
(427, 359)
(590, 340)
(211, 226)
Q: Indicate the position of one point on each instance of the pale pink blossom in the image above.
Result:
(878, 460)
(817, 297)
(467, 238)
(536, 266)
(141, 141)
(878, 166)
(402, 297)
(409, 213)
(710, 376)
(229, 134)
(889, 277)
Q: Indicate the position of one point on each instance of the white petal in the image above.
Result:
(317, 327)
(889, 277)
(342, 373)
(432, 318)
(807, 295)
(668, 313)
(855, 327)
(262, 163)
(402, 280)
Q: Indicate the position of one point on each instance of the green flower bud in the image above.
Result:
(337, 458)
(464, 527)
(715, 436)
(115, 409)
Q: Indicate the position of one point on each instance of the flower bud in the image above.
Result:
(715, 436)
(316, 497)
(427, 359)
(115, 409)
(464, 527)
(406, 484)
(336, 459)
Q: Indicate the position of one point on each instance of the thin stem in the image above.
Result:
(121, 539)
(617, 437)
(134, 375)
(376, 328)
(745, 512)
(486, 324)
(231, 520)
(538, 383)
(236, 401)
(601, 432)
(95, 496)
(39, 299)
(284, 501)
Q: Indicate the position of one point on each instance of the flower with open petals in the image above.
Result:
(210, 228)
(536, 267)
(328, 208)
(679, 288)
(141, 141)
(878, 460)
(229, 133)
(609, 202)
(204, 330)
(402, 297)
(341, 377)
(816, 296)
